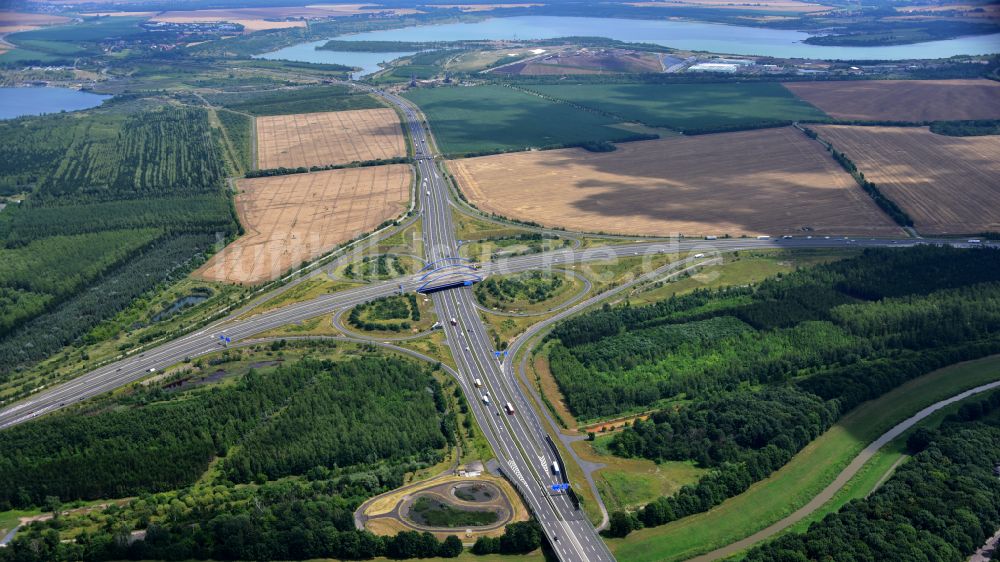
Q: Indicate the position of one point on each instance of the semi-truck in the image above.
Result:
(555, 468)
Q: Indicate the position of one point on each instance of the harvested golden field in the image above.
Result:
(11, 22)
(903, 100)
(764, 6)
(296, 218)
(335, 137)
(772, 181)
(948, 185)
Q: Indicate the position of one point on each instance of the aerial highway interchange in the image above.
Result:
(510, 423)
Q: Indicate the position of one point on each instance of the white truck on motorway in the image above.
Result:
(509, 408)
(486, 399)
(479, 383)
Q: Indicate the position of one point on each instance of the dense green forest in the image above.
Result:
(119, 200)
(941, 505)
(879, 307)
(966, 128)
(296, 100)
(764, 370)
(299, 447)
(312, 415)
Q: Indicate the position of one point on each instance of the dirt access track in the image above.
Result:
(948, 185)
(903, 100)
(773, 181)
(334, 137)
(299, 217)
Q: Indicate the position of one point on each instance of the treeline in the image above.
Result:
(887, 205)
(320, 416)
(282, 171)
(941, 505)
(967, 128)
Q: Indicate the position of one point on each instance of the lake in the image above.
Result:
(17, 102)
(307, 52)
(716, 38)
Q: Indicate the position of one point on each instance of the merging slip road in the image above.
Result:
(522, 448)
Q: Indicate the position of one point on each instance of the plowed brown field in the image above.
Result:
(948, 185)
(299, 217)
(772, 181)
(335, 137)
(903, 100)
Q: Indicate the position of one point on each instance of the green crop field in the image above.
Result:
(689, 107)
(484, 119)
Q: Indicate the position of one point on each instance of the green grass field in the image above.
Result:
(493, 118)
(805, 476)
(630, 483)
(689, 107)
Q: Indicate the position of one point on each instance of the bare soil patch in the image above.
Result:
(296, 218)
(773, 181)
(903, 100)
(335, 137)
(948, 185)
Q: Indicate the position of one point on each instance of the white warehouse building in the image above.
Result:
(714, 67)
